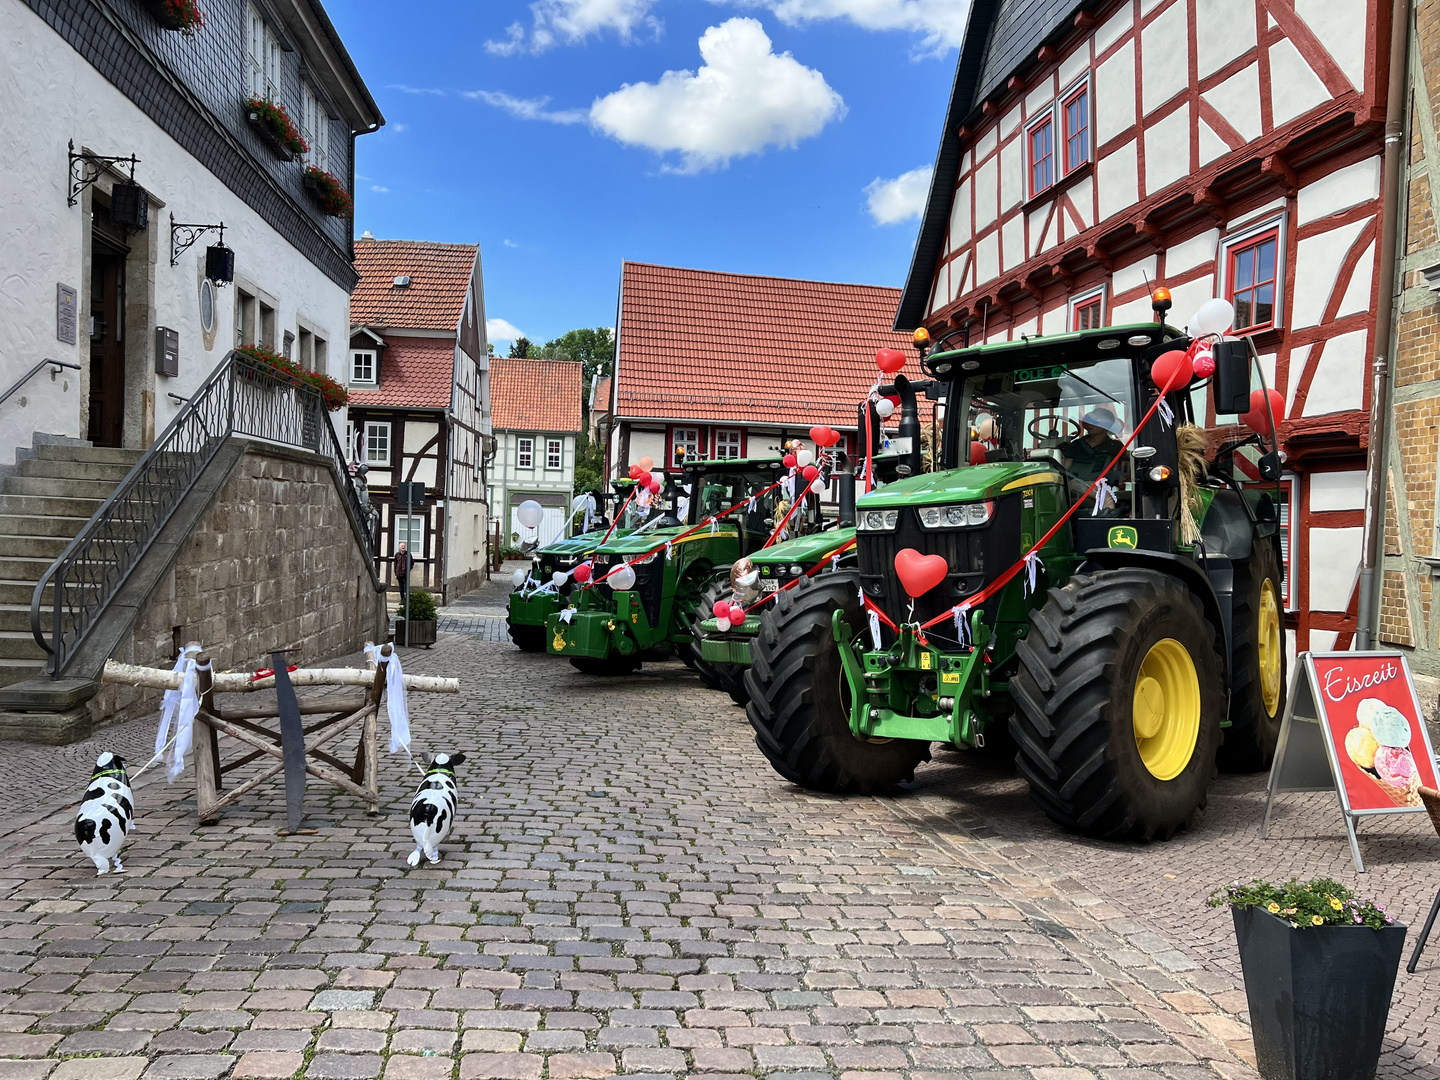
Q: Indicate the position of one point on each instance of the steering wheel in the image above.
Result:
(1071, 428)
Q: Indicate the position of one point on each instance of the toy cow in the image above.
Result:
(107, 813)
(432, 811)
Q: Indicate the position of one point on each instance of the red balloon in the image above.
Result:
(810, 472)
(721, 610)
(1258, 418)
(635, 472)
(828, 437)
(654, 486)
(1204, 364)
(977, 453)
(582, 573)
(643, 479)
(788, 461)
(1171, 371)
(920, 573)
(889, 360)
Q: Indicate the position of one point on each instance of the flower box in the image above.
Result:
(268, 367)
(272, 123)
(422, 632)
(328, 192)
(181, 15)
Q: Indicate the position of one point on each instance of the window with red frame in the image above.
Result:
(1077, 129)
(1042, 157)
(1252, 281)
(1086, 315)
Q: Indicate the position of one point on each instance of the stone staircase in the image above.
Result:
(41, 510)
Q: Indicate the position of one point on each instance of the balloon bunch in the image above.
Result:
(646, 479)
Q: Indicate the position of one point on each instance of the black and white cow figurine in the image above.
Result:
(107, 813)
(432, 811)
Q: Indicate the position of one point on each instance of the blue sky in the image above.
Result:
(509, 124)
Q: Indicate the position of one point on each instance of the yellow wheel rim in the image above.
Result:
(1166, 712)
(1269, 647)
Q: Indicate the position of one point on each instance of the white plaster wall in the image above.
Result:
(1334, 567)
(1115, 93)
(48, 95)
(649, 444)
(1116, 182)
(1164, 63)
(1167, 150)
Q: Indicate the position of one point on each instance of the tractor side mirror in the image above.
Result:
(1232, 377)
(1270, 466)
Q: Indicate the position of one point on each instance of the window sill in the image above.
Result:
(1067, 181)
(1270, 335)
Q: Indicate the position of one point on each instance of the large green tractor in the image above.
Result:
(537, 596)
(607, 630)
(1139, 647)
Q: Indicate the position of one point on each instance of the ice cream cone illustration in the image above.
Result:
(1379, 745)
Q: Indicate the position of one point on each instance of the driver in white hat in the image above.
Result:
(1089, 456)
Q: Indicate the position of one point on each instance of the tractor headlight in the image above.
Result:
(958, 516)
(796, 570)
(878, 520)
(648, 558)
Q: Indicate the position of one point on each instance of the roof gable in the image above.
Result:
(536, 395)
(439, 274)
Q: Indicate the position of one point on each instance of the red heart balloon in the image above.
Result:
(817, 435)
(889, 360)
(920, 573)
(831, 437)
(581, 573)
(1258, 418)
(635, 472)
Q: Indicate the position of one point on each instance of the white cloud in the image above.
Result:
(741, 100)
(399, 129)
(570, 22)
(510, 243)
(941, 21)
(528, 108)
(500, 330)
(415, 89)
(894, 201)
(381, 190)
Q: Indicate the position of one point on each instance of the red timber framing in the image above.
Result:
(1211, 124)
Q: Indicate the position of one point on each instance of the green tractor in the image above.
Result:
(608, 630)
(537, 596)
(1140, 647)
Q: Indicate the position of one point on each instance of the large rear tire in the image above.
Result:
(1257, 665)
(727, 678)
(526, 638)
(799, 705)
(1119, 699)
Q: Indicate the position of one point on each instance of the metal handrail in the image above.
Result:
(60, 365)
(242, 396)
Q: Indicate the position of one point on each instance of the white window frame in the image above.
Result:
(350, 441)
(687, 438)
(410, 531)
(355, 376)
(525, 453)
(1279, 222)
(376, 433)
(263, 55)
(727, 440)
(1084, 300)
(554, 452)
(314, 127)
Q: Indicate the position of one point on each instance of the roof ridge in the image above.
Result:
(761, 277)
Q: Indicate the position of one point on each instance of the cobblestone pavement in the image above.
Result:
(629, 889)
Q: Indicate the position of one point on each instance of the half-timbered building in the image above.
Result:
(537, 422)
(419, 386)
(1218, 147)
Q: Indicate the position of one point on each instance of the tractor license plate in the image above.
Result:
(769, 585)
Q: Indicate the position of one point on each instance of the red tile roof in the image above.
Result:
(435, 298)
(535, 395)
(416, 373)
(706, 346)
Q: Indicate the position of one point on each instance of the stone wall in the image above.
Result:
(274, 561)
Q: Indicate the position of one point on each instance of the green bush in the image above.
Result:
(1320, 902)
(422, 606)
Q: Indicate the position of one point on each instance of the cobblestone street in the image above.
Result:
(631, 889)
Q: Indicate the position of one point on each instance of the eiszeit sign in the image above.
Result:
(1353, 724)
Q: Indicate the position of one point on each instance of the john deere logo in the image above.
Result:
(1124, 536)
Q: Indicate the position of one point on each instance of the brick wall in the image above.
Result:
(274, 561)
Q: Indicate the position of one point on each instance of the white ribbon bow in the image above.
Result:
(669, 554)
(750, 505)
(395, 701)
(1033, 566)
(962, 623)
(714, 522)
(1167, 414)
(1102, 492)
(186, 703)
(835, 561)
(874, 621)
(567, 615)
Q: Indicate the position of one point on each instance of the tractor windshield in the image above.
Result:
(1076, 416)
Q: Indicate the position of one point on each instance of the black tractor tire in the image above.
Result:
(798, 705)
(526, 638)
(610, 665)
(1075, 691)
(727, 678)
(1254, 730)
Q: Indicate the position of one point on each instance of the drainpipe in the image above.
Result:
(1375, 463)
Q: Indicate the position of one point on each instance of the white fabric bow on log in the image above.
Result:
(181, 707)
(396, 703)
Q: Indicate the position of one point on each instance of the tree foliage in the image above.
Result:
(594, 348)
(522, 349)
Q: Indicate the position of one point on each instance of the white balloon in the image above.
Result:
(558, 578)
(818, 486)
(803, 458)
(530, 514)
(1214, 316)
(622, 579)
(723, 624)
(519, 578)
(884, 407)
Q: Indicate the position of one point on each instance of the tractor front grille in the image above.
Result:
(974, 556)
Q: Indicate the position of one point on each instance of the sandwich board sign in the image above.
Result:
(1353, 724)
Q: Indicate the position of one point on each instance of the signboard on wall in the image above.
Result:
(1354, 725)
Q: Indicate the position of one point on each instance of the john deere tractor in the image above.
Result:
(606, 630)
(1141, 647)
(538, 597)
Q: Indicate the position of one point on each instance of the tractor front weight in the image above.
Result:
(914, 690)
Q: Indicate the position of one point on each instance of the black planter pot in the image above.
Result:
(267, 134)
(1319, 995)
(422, 632)
(163, 15)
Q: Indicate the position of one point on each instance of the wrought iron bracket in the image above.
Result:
(184, 234)
(86, 168)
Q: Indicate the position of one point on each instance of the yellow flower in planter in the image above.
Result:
(1274, 908)
(1336, 904)
(1316, 920)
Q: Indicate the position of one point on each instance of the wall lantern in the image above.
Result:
(219, 259)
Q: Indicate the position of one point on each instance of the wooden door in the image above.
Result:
(107, 345)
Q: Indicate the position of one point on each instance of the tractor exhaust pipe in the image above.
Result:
(845, 493)
(909, 432)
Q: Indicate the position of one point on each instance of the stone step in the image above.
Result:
(15, 618)
(20, 568)
(74, 470)
(98, 454)
(33, 547)
(20, 591)
(49, 486)
(22, 525)
(20, 646)
(48, 505)
(13, 671)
